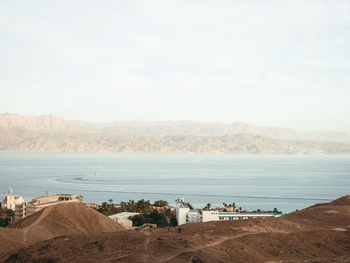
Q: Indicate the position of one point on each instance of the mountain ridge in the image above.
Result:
(200, 128)
(49, 133)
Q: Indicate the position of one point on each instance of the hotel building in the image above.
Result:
(28, 208)
(185, 213)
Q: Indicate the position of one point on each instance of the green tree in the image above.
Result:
(6, 217)
(110, 205)
(148, 213)
(161, 203)
(173, 221)
(167, 213)
(138, 220)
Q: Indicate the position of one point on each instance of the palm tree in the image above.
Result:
(110, 204)
(208, 206)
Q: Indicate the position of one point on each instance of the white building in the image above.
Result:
(185, 213)
(192, 216)
(228, 216)
(210, 216)
(25, 209)
(10, 201)
(123, 218)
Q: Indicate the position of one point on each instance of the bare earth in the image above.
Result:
(320, 233)
(54, 221)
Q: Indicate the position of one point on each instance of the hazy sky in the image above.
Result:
(282, 63)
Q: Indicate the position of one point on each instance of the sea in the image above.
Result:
(285, 182)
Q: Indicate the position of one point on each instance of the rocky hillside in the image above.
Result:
(52, 134)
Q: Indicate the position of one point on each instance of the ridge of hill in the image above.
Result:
(48, 133)
(320, 233)
(198, 128)
(53, 221)
(11, 141)
(344, 200)
(42, 123)
(75, 218)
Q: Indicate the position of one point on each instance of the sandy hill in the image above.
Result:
(54, 221)
(345, 200)
(66, 219)
(320, 233)
(10, 240)
(335, 214)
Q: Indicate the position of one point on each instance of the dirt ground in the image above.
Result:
(320, 233)
(54, 221)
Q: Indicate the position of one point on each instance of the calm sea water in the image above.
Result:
(251, 181)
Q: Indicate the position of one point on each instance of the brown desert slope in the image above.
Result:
(53, 221)
(320, 233)
(345, 200)
(68, 218)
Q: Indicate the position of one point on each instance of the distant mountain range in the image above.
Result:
(49, 133)
(141, 128)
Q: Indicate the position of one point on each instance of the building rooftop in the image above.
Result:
(55, 195)
(123, 214)
(247, 214)
(124, 220)
(181, 204)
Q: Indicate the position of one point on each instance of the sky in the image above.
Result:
(277, 63)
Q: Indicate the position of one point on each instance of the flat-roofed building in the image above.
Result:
(192, 216)
(10, 201)
(26, 209)
(123, 218)
(185, 213)
(92, 205)
(225, 216)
